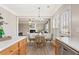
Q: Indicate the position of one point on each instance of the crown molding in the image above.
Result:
(8, 9)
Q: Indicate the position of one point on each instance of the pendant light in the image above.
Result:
(30, 22)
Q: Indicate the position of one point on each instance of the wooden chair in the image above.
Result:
(39, 41)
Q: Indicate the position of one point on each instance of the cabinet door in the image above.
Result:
(5, 52)
(65, 23)
(15, 52)
(10, 50)
(22, 50)
(54, 47)
(57, 48)
(22, 47)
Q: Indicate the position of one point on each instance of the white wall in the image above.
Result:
(24, 28)
(11, 27)
(48, 26)
(75, 21)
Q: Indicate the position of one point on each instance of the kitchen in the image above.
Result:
(60, 24)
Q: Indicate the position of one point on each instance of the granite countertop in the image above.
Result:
(74, 42)
(8, 43)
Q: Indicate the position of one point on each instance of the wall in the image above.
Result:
(75, 21)
(47, 26)
(24, 28)
(10, 28)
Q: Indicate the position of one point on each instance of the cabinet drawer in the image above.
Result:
(9, 49)
(22, 47)
(22, 42)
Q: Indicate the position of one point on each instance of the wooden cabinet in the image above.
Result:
(19, 48)
(56, 47)
(62, 21)
(15, 52)
(22, 47)
(10, 50)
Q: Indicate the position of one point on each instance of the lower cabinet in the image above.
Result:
(10, 50)
(19, 48)
(60, 48)
(56, 47)
(22, 47)
(15, 52)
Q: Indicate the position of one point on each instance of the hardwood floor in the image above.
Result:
(46, 50)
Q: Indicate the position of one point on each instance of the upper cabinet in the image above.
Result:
(62, 21)
(56, 25)
(66, 21)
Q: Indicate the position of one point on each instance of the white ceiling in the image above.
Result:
(26, 11)
(32, 9)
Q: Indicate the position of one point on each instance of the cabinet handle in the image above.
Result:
(65, 49)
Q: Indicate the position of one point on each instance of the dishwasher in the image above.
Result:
(69, 51)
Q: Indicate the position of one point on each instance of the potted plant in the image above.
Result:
(1, 31)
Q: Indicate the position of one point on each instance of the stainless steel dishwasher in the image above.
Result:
(69, 51)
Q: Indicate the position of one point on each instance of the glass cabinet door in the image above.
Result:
(65, 23)
(56, 25)
(62, 22)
